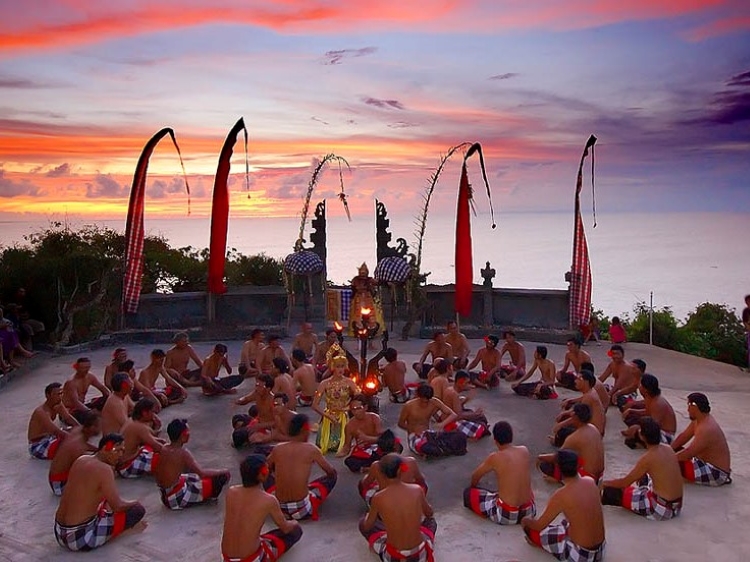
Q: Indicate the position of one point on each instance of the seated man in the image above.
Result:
(247, 508)
(181, 481)
(320, 361)
(438, 377)
(658, 496)
(260, 416)
(141, 452)
(544, 389)
(91, 512)
(627, 376)
(585, 441)
(76, 387)
(653, 405)
(282, 380)
(212, 384)
(472, 423)
(304, 378)
(173, 392)
(248, 366)
(599, 387)
(460, 345)
(585, 385)
(272, 351)
(177, 361)
(438, 347)
(514, 498)
(489, 357)
(415, 418)
(374, 479)
(364, 428)
(517, 367)
(400, 523)
(306, 340)
(72, 447)
(394, 378)
(575, 357)
(290, 464)
(580, 536)
(282, 417)
(44, 434)
(119, 405)
(705, 459)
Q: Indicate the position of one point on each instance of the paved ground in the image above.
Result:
(711, 526)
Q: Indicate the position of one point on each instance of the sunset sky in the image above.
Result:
(388, 85)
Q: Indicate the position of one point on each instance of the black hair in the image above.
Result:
(118, 380)
(701, 401)
(641, 364)
(220, 348)
(502, 432)
(615, 320)
(175, 428)
(180, 336)
(267, 380)
(617, 347)
(462, 374)
(299, 355)
(582, 412)
(567, 460)
(575, 340)
(281, 364)
(297, 423)
(588, 365)
(143, 405)
(425, 391)
(126, 365)
(158, 353)
(651, 384)
(589, 377)
(650, 430)
(437, 333)
(83, 360)
(114, 438)
(441, 365)
(390, 355)
(283, 396)
(387, 441)
(507, 333)
(493, 338)
(330, 331)
(361, 398)
(390, 465)
(542, 351)
(51, 387)
(250, 469)
(255, 332)
(273, 337)
(89, 418)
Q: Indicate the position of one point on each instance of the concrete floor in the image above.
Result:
(710, 527)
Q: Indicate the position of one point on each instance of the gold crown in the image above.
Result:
(336, 353)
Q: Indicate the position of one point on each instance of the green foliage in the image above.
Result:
(259, 270)
(665, 329)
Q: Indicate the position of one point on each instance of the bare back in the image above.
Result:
(587, 442)
(402, 509)
(292, 462)
(511, 468)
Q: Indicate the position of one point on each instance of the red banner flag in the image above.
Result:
(133, 271)
(463, 257)
(580, 271)
(220, 212)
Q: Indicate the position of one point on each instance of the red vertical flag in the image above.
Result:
(133, 271)
(220, 212)
(580, 271)
(463, 257)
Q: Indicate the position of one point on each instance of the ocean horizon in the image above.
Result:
(685, 259)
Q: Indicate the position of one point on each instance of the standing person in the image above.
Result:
(212, 384)
(438, 347)
(580, 536)
(304, 378)
(291, 463)
(617, 331)
(338, 390)
(250, 353)
(660, 497)
(76, 444)
(76, 387)
(515, 350)
(460, 345)
(363, 296)
(489, 357)
(575, 357)
(177, 361)
(544, 389)
(91, 511)
(746, 324)
(246, 510)
(182, 482)
(306, 340)
(399, 525)
(44, 434)
(514, 498)
(705, 458)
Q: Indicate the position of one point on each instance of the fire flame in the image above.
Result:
(338, 327)
(366, 311)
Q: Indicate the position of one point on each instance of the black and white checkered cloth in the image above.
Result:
(472, 429)
(188, 490)
(392, 270)
(141, 465)
(44, 448)
(643, 501)
(303, 263)
(554, 539)
(705, 474)
(90, 534)
(488, 504)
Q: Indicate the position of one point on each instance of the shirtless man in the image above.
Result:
(321, 366)
(472, 423)
(415, 419)
(374, 480)
(119, 364)
(44, 434)
(460, 345)
(626, 375)
(181, 481)
(272, 351)
(587, 443)
(438, 347)
(282, 380)
(91, 512)
(438, 377)
(75, 445)
(544, 389)
(173, 392)
(514, 498)
(658, 496)
(282, 417)
(178, 360)
(212, 365)
(601, 390)
(705, 458)
(394, 378)
(653, 405)
(574, 359)
(515, 350)
(291, 463)
(306, 340)
(119, 405)
(580, 536)
(141, 453)
(247, 508)
(76, 387)
(364, 428)
(260, 417)
(400, 523)
(304, 378)
(250, 352)
(585, 385)
(489, 357)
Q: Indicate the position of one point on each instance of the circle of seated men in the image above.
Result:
(399, 523)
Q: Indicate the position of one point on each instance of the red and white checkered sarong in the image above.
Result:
(643, 501)
(93, 533)
(488, 504)
(45, 447)
(309, 506)
(189, 489)
(141, 464)
(702, 473)
(554, 539)
(472, 429)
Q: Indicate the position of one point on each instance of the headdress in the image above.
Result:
(364, 266)
(335, 355)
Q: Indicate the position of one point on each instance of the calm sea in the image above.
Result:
(683, 258)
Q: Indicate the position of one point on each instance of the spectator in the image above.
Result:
(11, 344)
(617, 332)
